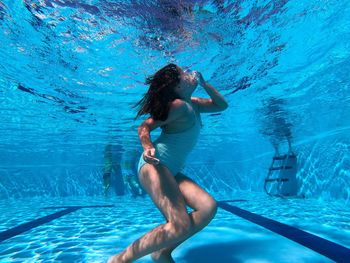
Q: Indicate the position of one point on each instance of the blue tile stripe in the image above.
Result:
(43, 220)
(86, 206)
(234, 200)
(30, 225)
(320, 245)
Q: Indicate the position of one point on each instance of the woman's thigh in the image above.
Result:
(195, 196)
(161, 185)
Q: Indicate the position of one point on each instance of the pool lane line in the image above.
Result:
(32, 224)
(7, 234)
(233, 200)
(86, 206)
(318, 244)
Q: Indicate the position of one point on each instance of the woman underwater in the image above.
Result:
(171, 107)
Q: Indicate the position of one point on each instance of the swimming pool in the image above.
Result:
(70, 72)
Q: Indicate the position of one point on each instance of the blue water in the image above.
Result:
(70, 72)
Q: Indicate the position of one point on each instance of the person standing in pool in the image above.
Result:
(112, 156)
(275, 124)
(171, 107)
(129, 169)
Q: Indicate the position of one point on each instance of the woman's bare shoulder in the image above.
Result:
(178, 103)
(177, 106)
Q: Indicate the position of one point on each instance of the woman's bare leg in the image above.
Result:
(204, 207)
(165, 193)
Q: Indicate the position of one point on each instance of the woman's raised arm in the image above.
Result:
(216, 102)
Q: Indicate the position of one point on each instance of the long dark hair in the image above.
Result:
(161, 92)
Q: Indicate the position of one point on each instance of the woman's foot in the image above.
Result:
(162, 257)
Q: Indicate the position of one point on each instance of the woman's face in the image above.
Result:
(188, 82)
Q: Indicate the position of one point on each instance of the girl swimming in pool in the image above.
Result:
(171, 107)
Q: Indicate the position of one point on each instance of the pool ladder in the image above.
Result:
(282, 161)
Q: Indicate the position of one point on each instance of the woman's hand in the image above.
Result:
(201, 80)
(149, 156)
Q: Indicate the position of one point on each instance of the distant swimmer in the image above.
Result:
(129, 161)
(112, 171)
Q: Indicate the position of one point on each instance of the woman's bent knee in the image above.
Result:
(181, 227)
(210, 209)
(214, 209)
